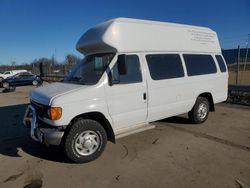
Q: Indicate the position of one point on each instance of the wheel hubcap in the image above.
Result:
(202, 111)
(5, 85)
(87, 143)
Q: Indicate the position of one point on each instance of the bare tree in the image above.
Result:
(70, 61)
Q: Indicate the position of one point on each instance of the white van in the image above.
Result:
(7, 74)
(134, 72)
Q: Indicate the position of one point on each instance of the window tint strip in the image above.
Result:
(133, 74)
(197, 64)
(165, 66)
(221, 63)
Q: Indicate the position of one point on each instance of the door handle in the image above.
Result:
(144, 96)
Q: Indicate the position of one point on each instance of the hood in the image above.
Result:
(10, 77)
(45, 94)
(2, 75)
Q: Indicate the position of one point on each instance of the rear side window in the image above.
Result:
(199, 64)
(164, 66)
(221, 63)
(25, 74)
(133, 74)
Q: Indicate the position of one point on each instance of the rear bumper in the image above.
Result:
(49, 136)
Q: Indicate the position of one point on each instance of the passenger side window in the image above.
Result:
(221, 63)
(27, 75)
(164, 66)
(22, 75)
(17, 75)
(197, 64)
(133, 74)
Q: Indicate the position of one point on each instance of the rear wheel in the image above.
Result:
(200, 111)
(35, 83)
(85, 141)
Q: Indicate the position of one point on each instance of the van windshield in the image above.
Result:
(90, 69)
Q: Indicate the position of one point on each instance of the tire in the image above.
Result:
(85, 141)
(200, 111)
(1, 79)
(35, 83)
(40, 83)
(6, 85)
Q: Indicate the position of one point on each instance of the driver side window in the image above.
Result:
(133, 74)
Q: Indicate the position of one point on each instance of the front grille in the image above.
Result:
(41, 110)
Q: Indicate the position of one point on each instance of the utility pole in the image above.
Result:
(238, 66)
(246, 52)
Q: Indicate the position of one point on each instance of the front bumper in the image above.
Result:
(49, 136)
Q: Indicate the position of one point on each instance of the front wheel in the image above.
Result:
(85, 141)
(200, 111)
(6, 85)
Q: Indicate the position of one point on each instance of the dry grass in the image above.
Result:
(244, 77)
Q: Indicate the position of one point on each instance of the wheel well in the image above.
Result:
(100, 118)
(209, 97)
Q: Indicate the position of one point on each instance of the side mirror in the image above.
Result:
(121, 61)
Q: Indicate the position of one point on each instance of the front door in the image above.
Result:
(20, 79)
(126, 97)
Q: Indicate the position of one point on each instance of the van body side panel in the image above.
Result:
(197, 85)
(85, 100)
(222, 82)
(221, 92)
(215, 83)
(169, 97)
(125, 101)
(165, 97)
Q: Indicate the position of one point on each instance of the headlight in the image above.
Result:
(55, 113)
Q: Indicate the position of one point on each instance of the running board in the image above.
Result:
(132, 130)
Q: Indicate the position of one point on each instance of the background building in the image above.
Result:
(231, 55)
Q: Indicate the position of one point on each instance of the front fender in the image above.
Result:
(76, 108)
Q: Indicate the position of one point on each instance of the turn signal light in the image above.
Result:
(55, 113)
